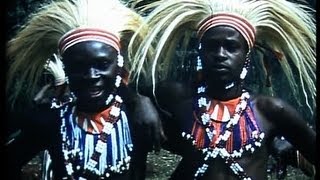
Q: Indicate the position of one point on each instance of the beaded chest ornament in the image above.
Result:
(107, 152)
(218, 142)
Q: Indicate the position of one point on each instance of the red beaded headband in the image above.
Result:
(235, 21)
(87, 34)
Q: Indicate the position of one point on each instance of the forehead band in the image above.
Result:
(88, 34)
(225, 19)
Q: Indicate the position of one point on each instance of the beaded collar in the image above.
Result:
(227, 138)
(96, 152)
(100, 155)
(94, 123)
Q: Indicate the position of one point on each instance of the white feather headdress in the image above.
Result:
(285, 27)
(39, 38)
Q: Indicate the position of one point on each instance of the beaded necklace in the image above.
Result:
(99, 155)
(217, 145)
(218, 142)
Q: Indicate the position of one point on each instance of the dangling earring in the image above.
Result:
(120, 65)
(199, 77)
(72, 95)
(243, 73)
(245, 67)
(228, 86)
(120, 60)
(199, 63)
(118, 79)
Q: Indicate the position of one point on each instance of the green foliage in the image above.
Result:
(18, 12)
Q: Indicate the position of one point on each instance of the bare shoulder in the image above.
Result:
(268, 104)
(283, 116)
(289, 123)
(277, 112)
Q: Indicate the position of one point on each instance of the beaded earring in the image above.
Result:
(199, 68)
(117, 80)
(245, 67)
(199, 63)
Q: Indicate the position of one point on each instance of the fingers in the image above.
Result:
(163, 136)
(158, 136)
(157, 140)
(41, 93)
(154, 137)
(303, 164)
(56, 69)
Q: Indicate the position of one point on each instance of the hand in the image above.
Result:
(280, 151)
(147, 123)
(285, 154)
(42, 98)
(55, 67)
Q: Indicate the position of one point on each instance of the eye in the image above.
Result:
(103, 63)
(209, 46)
(75, 70)
(232, 46)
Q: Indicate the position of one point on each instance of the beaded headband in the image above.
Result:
(87, 34)
(235, 21)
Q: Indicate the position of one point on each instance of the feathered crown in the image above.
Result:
(59, 25)
(286, 28)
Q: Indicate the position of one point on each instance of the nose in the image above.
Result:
(219, 53)
(92, 73)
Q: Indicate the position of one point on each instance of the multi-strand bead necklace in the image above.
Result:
(218, 147)
(97, 155)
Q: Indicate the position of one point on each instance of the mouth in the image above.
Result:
(95, 91)
(219, 68)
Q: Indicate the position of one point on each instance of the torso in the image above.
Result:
(254, 164)
(114, 162)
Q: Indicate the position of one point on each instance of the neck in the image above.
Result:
(90, 110)
(217, 93)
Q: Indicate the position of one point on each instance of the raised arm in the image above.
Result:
(287, 122)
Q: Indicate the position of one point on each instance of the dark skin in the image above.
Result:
(91, 67)
(223, 55)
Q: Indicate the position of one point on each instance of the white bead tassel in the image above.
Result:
(126, 128)
(103, 159)
(199, 63)
(126, 131)
(88, 148)
(120, 61)
(121, 139)
(118, 81)
(115, 111)
(109, 99)
(201, 89)
(114, 147)
(243, 73)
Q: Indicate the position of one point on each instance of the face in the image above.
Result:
(223, 53)
(91, 67)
